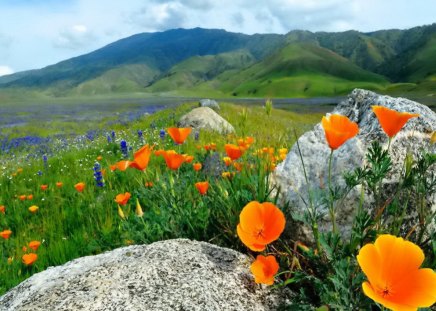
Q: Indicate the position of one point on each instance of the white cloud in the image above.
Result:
(74, 38)
(5, 70)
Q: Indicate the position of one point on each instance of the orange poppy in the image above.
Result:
(34, 245)
(234, 152)
(179, 134)
(173, 160)
(2, 209)
(99, 158)
(264, 269)
(24, 249)
(121, 165)
(238, 166)
(391, 265)
(30, 197)
(142, 157)
(59, 184)
(338, 129)
(148, 184)
(44, 187)
(22, 197)
(5, 234)
(197, 166)
(33, 209)
(390, 120)
(29, 259)
(260, 224)
(122, 198)
(188, 158)
(202, 187)
(79, 186)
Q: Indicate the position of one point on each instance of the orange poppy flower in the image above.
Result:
(391, 265)
(30, 197)
(79, 186)
(148, 184)
(24, 249)
(264, 269)
(44, 187)
(260, 224)
(59, 184)
(142, 157)
(234, 152)
(2, 209)
(29, 259)
(390, 120)
(34, 245)
(174, 160)
(338, 129)
(5, 234)
(22, 197)
(122, 198)
(179, 134)
(121, 165)
(33, 209)
(202, 187)
(188, 158)
(197, 166)
(99, 158)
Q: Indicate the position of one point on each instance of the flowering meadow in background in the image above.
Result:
(150, 181)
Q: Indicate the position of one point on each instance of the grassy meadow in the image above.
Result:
(39, 178)
(70, 224)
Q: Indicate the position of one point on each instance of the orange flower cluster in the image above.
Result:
(2, 209)
(395, 280)
(29, 259)
(259, 225)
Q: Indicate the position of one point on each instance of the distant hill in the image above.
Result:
(220, 63)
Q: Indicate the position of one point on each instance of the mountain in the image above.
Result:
(220, 63)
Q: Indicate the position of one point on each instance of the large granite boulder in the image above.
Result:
(209, 103)
(205, 118)
(168, 275)
(289, 175)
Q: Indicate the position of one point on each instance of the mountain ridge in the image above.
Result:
(143, 62)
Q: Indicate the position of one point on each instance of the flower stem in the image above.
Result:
(331, 207)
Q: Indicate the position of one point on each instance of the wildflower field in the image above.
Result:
(147, 180)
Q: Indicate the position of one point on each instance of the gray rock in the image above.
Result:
(214, 165)
(209, 103)
(205, 118)
(168, 275)
(289, 174)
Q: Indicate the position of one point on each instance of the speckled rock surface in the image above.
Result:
(211, 103)
(315, 151)
(168, 275)
(205, 118)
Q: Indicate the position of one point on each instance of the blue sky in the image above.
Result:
(37, 33)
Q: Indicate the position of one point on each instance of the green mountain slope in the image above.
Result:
(299, 69)
(196, 70)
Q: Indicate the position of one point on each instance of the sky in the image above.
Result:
(38, 33)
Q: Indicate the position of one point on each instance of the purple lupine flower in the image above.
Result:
(162, 134)
(98, 176)
(123, 146)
